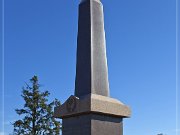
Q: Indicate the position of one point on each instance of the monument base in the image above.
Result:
(92, 115)
(92, 124)
(92, 103)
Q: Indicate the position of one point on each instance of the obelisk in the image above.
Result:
(91, 111)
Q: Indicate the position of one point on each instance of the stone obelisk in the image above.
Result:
(91, 111)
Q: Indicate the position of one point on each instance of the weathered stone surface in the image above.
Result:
(92, 124)
(91, 68)
(92, 103)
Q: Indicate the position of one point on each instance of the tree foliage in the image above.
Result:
(37, 114)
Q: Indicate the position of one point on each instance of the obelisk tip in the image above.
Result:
(89, 0)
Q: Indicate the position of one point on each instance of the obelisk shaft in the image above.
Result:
(91, 68)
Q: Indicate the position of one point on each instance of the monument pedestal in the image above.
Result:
(92, 115)
(92, 124)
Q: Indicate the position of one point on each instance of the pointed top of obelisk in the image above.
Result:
(89, 0)
(91, 69)
(82, 1)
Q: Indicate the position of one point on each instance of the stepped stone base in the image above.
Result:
(92, 124)
(92, 103)
(92, 115)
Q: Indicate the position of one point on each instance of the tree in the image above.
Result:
(37, 113)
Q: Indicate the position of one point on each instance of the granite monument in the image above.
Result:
(91, 110)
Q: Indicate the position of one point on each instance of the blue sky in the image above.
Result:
(40, 39)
